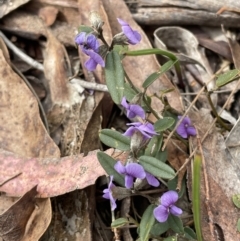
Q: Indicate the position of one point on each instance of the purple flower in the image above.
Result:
(185, 128)
(168, 199)
(108, 193)
(90, 45)
(131, 171)
(133, 110)
(153, 181)
(133, 36)
(147, 129)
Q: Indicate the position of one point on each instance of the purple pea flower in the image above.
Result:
(133, 36)
(108, 193)
(89, 45)
(147, 129)
(168, 199)
(132, 109)
(153, 181)
(185, 128)
(131, 171)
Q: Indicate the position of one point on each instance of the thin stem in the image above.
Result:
(215, 111)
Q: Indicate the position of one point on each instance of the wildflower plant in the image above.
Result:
(146, 165)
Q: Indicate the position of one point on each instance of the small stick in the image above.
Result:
(10, 178)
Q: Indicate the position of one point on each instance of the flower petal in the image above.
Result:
(169, 198)
(130, 131)
(120, 168)
(137, 110)
(92, 42)
(97, 58)
(135, 170)
(128, 181)
(161, 213)
(124, 103)
(153, 181)
(106, 194)
(181, 130)
(191, 131)
(113, 203)
(175, 210)
(90, 64)
(80, 38)
(133, 36)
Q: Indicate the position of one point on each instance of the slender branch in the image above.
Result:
(21, 54)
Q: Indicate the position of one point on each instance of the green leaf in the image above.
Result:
(156, 167)
(172, 238)
(120, 49)
(159, 228)
(147, 222)
(172, 185)
(119, 222)
(114, 75)
(196, 195)
(108, 163)
(163, 124)
(84, 28)
(115, 139)
(129, 92)
(238, 225)
(154, 146)
(151, 78)
(175, 223)
(189, 233)
(236, 200)
(227, 77)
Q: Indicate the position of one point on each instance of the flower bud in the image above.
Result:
(96, 21)
(136, 141)
(120, 39)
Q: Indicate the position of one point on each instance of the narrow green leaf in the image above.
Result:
(108, 163)
(156, 167)
(189, 233)
(238, 225)
(196, 195)
(163, 124)
(151, 78)
(227, 77)
(114, 75)
(84, 28)
(162, 155)
(172, 238)
(159, 228)
(147, 222)
(172, 185)
(154, 146)
(236, 200)
(129, 92)
(115, 139)
(119, 222)
(175, 223)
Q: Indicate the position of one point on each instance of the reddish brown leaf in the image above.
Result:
(54, 176)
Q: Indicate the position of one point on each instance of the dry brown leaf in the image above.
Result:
(13, 221)
(39, 221)
(8, 6)
(22, 130)
(24, 24)
(219, 216)
(139, 68)
(177, 157)
(48, 15)
(54, 176)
